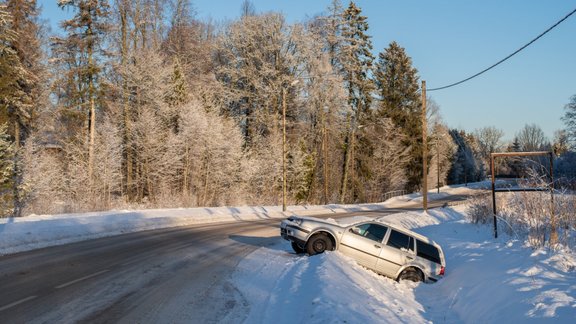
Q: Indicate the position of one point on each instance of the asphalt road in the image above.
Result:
(177, 275)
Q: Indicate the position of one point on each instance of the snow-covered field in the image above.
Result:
(487, 280)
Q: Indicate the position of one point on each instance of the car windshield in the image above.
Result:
(370, 231)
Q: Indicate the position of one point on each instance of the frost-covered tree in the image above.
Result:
(316, 149)
(569, 120)
(387, 158)
(213, 159)
(7, 152)
(26, 87)
(441, 153)
(20, 80)
(531, 138)
(254, 63)
(467, 165)
(397, 83)
(489, 141)
(561, 143)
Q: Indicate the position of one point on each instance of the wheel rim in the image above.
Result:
(319, 246)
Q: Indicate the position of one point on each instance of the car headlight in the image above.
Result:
(296, 220)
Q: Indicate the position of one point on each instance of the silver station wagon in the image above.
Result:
(384, 248)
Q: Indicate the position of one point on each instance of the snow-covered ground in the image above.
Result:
(37, 231)
(487, 280)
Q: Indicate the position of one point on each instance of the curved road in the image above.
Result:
(177, 275)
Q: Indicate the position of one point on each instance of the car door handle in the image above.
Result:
(409, 257)
(377, 246)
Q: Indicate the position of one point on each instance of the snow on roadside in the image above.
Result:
(487, 281)
(38, 231)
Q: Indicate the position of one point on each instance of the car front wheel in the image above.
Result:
(318, 243)
(298, 248)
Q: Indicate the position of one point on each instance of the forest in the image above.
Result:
(140, 104)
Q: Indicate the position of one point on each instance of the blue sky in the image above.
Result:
(452, 40)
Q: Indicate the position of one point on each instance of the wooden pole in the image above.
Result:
(424, 150)
(283, 149)
(553, 232)
(494, 195)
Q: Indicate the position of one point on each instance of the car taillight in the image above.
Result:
(441, 271)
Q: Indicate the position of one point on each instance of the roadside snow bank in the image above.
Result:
(37, 231)
(487, 281)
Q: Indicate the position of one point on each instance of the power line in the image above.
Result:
(507, 57)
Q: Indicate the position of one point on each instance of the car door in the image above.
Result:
(398, 250)
(363, 243)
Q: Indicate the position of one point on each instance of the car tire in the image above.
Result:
(319, 243)
(411, 274)
(299, 249)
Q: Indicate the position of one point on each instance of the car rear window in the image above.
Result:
(428, 252)
(400, 241)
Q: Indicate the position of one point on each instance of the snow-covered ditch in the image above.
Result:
(487, 281)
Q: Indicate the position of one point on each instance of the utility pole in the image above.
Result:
(437, 161)
(424, 150)
(283, 149)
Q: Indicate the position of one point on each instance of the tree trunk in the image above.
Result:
(346, 166)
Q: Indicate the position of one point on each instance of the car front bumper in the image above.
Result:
(293, 233)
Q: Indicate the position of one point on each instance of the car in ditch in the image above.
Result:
(387, 249)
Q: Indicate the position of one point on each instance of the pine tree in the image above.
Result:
(7, 153)
(82, 52)
(177, 96)
(356, 61)
(397, 83)
(27, 47)
(20, 86)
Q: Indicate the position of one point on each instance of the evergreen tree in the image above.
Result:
(20, 86)
(22, 109)
(177, 96)
(397, 83)
(466, 166)
(355, 61)
(7, 153)
(82, 52)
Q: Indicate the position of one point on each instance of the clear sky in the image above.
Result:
(452, 40)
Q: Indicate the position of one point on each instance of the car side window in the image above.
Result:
(428, 252)
(374, 232)
(401, 241)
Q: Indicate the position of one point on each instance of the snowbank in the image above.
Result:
(37, 231)
(487, 281)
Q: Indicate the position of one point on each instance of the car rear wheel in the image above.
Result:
(411, 274)
(319, 243)
(298, 248)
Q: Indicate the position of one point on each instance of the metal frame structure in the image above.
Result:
(494, 190)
